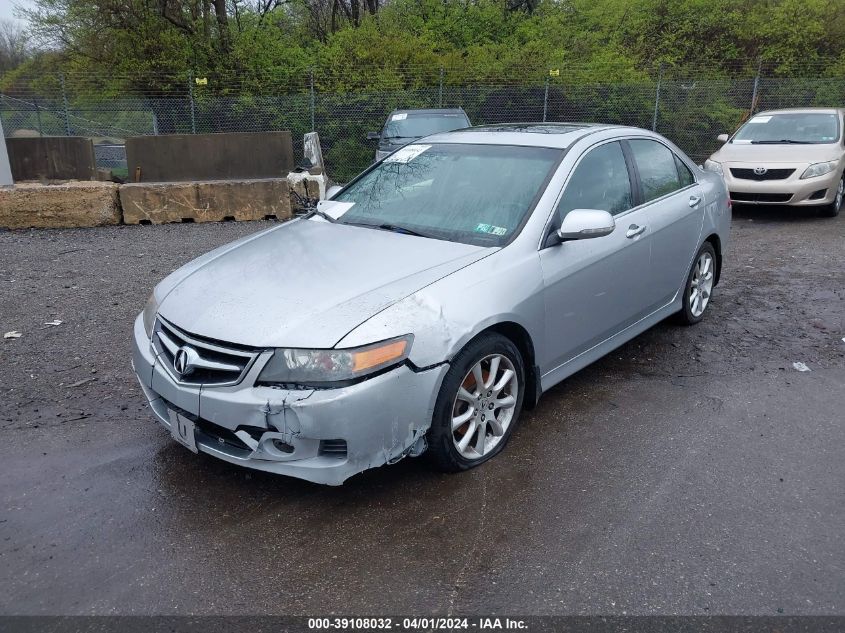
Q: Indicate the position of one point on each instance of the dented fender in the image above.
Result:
(446, 315)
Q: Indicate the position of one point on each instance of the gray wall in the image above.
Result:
(181, 157)
(52, 158)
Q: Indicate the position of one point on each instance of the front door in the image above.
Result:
(594, 288)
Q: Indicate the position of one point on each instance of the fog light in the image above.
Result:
(282, 447)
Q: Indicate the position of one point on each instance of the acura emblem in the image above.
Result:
(184, 360)
(760, 170)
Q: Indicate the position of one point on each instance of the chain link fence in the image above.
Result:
(690, 109)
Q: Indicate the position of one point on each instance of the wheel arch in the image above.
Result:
(520, 337)
(714, 240)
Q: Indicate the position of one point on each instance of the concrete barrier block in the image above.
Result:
(52, 158)
(307, 185)
(63, 205)
(196, 157)
(205, 201)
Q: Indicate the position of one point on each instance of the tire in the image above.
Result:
(832, 210)
(692, 312)
(444, 452)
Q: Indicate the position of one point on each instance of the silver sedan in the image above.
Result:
(432, 299)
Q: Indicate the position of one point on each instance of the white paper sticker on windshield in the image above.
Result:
(760, 119)
(334, 208)
(399, 117)
(489, 228)
(406, 154)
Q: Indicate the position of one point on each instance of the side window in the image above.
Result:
(684, 172)
(658, 171)
(600, 181)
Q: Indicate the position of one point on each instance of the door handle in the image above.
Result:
(634, 230)
(694, 200)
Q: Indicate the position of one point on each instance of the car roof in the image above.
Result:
(429, 111)
(560, 135)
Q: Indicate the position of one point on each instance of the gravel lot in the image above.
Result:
(693, 471)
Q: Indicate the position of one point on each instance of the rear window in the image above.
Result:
(658, 171)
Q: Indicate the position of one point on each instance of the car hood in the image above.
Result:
(307, 283)
(764, 154)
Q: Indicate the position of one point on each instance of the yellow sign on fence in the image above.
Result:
(554, 72)
(201, 81)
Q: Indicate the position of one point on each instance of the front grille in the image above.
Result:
(333, 448)
(204, 362)
(738, 196)
(771, 174)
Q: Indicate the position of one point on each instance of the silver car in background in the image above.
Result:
(431, 300)
(406, 126)
(791, 157)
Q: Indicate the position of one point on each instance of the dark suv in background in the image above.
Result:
(406, 126)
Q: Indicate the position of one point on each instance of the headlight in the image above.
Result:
(712, 165)
(819, 169)
(333, 367)
(150, 311)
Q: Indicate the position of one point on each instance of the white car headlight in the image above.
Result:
(334, 367)
(712, 165)
(150, 311)
(819, 169)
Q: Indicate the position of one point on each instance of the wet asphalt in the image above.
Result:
(692, 471)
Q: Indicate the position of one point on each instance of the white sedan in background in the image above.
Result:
(789, 157)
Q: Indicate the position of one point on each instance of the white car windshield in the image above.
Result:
(476, 194)
(790, 127)
(416, 125)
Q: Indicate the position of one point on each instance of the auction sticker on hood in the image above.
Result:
(406, 154)
(492, 230)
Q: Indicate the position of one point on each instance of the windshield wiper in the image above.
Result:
(320, 213)
(390, 137)
(392, 227)
(401, 229)
(784, 141)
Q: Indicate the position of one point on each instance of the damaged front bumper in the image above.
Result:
(324, 436)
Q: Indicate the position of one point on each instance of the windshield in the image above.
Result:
(476, 194)
(792, 127)
(415, 125)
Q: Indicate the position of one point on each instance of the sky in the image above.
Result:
(7, 8)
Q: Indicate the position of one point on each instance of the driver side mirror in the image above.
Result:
(584, 224)
(723, 138)
(373, 136)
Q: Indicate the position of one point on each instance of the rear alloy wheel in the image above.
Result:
(478, 405)
(832, 210)
(699, 288)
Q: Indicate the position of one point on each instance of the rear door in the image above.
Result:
(673, 205)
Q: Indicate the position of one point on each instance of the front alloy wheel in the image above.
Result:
(478, 404)
(484, 406)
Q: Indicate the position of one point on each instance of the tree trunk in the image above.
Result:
(222, 25)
